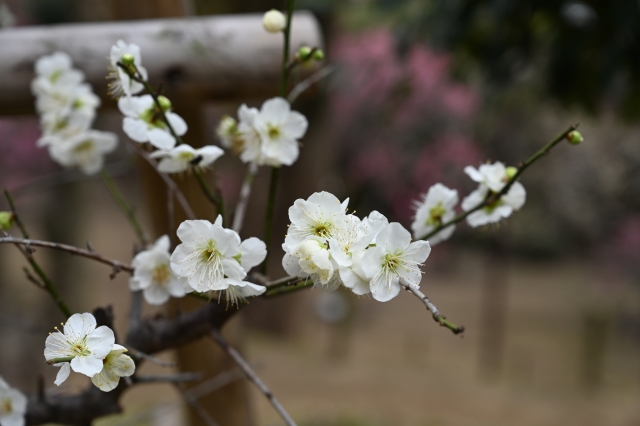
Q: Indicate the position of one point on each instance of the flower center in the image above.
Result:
(209, 254)
(491, 207)
(322, 229)
(435, 214)
(7, 406)
(161, 274)
(55, 76)
(80, 349)
(391, 262)
(187, 156)
(273, 131)
(84, 148)
(153, 118)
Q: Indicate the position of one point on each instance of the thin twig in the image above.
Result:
(188, 211)
(310, 81)
(437, 317)
(215, 198)
(138, 354)
(117, 266)
(27, 253)
(493, 197)
(33, 279)
(251, 375)
(124, 206)
(289, 288)
(283, 281)
(201, 412)
(243, 198)
(168, 378)
(216, 382)
(268, 222)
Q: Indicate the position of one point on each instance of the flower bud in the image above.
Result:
(127, 59)
(511, 172)
(274, 21)
(164, 102)
(307, 248)
(318, 55)
(6, 220)
(575, 138)
(303, 53)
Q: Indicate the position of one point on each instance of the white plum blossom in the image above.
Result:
(321, 215)
(212, 258)
(153, 275)
(394, 259)
(122, 83)
(116, 365)
(82, 347)
(492, 179)
(279, 129)
(55, 70)
(183, 157)
(67, 107)
(268, 136)
(375, 223)
(85, 150)
(13, 405)
(274, 21)
(206, 255)
(347, 249)
(435, 208)
(143, 122)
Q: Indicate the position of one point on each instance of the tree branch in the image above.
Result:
(437, 317)
(251, 375)
(117, 266)
(492, 198)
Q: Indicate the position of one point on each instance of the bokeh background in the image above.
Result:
(550, 297)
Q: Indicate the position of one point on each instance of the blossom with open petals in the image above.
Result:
(394, 258)
(153, 275)
(183, 157)
(85, 150)
(13, 405)
(55, 70)
(279, 129)
(116, 365)
(492, 179)
(143, 122)
(435, 208)
(82, 347)
(206, 256)
(122, 83)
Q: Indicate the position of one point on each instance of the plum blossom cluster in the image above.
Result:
(436, 209)
(67, 107)
(331, 247)
(265, 137)
(152, 120)
(213, 258)
(88, 350)
(13, 405)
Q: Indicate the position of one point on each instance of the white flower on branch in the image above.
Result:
(492, 179)
(320, 215)
(116, 365)
(122, 83)
(436, 208)
(206, 255)
(274, 21)
(394, 258)
(85, 150)
(349, 246)
(13, 405)
(82, 347)
(143, 121)
(153, 274)
(265, 137)
(57, 127)
(55, 70)
(183, 157)
(67, 99)
(212, 258)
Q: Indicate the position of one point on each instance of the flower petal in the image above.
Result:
(63, 374)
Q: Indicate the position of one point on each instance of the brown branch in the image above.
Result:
(117, 266)
(251, 375)
(437, 317)
(193, 402)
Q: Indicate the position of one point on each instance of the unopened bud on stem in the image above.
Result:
(575, 138)
(274, 21)
(127, 59)
(6, 220)
(318, 55)
(511, 172)
(165, 103)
